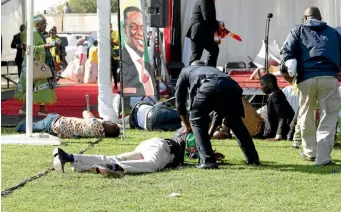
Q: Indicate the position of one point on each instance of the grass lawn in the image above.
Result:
(283, 183)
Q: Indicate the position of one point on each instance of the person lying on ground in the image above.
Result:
(154, 117)
(70, 127)
(150, 155)
(278, 114)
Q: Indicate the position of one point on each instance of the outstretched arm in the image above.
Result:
(180, 100)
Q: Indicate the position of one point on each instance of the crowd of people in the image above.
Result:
(205, 99)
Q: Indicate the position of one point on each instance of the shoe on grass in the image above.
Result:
(308, 158)
(107, 170)
(60, 157)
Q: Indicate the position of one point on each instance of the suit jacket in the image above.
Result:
(131, 77)
(19, 56)
(203, 21)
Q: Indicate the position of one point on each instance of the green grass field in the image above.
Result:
(283, 183)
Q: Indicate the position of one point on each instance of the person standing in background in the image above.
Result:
(16, 44)
(316, 49)
(201, 32)
(115, 54)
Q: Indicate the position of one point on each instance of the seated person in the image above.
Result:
(154, 117)
(278, 113)
(149, 156)
(70, 127)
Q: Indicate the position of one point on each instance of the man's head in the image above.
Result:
(312, 13)
(111, 129)
(268, 83)
(133, 28)
(95, 43)
(22, 27)
(198, 63)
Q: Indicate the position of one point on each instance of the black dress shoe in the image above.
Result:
(255, 163)
(208, 166)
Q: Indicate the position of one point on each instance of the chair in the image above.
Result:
(234, 65)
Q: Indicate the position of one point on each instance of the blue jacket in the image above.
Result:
(316, 47)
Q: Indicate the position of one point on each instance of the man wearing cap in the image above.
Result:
(316, 49)
(210, 90)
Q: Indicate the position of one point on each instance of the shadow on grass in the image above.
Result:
(310, 168)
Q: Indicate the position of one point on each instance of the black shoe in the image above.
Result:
(208, 166)
(255, 163)
(107, 170)
(60, 157)
(330, 163)
(305, 157)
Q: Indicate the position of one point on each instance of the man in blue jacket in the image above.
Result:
(317, 49)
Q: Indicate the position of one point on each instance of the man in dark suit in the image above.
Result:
(211, 90)
(16, 44)
(138, 79)
(201, 32)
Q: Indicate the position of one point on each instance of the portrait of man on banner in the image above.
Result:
(138, 76)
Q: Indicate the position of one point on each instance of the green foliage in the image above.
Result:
(86, 6)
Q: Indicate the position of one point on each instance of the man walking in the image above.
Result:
(201, 32)
(317, 49)
(16, 44)
(211, 90)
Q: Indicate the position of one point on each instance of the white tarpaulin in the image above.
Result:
(247, 18)
(12, 16)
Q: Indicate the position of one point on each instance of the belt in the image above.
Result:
(41, 87)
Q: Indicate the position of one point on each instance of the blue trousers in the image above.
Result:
(40, 126)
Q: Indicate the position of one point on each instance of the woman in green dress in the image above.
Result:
(43, 90)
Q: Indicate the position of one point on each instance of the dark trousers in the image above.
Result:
(114, 67)
(163, 118)
(225, 99)
(198, 47)
(19, 65)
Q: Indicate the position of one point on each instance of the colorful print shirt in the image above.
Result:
(68, 127)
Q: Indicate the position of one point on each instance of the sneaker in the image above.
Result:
(107, 170)
(305, 157)
(60, 157)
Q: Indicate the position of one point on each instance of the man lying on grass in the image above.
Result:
(151, 155)
(69, 127)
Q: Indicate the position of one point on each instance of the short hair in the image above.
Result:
(313, 12)
(95, 43)
(270, 78)
(111, 129)
(128, 10)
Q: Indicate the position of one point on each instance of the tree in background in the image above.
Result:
(86, 6)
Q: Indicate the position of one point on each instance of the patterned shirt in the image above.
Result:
(68, 127)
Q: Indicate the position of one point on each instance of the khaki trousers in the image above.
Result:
(319, 142)
(149, 156)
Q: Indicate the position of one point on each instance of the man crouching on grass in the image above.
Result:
(151, 155)
(70, 127)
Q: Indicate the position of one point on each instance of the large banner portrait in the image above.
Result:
(138, 76)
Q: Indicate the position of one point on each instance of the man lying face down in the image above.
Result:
(150, 155)
(69, 127)
(278, 114)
